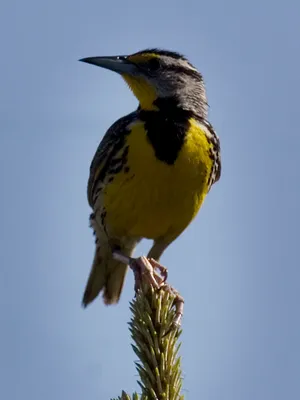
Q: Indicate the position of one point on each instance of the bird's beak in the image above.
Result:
(118, 64)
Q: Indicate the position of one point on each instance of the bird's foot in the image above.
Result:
(144, 269)
(163, 270)
(179, 303)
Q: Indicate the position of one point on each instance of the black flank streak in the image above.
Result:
(130, 178)
(92, 218)
(118, 144)
(117, 164)
(102, 216)
(110, 164)
(97, 192)
(116, 169)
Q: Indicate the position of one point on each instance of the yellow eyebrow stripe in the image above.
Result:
(140, 58)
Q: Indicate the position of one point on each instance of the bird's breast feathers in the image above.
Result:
(146, 196)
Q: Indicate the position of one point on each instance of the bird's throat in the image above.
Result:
(143, 91)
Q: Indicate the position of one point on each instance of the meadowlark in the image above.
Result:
(153, 167)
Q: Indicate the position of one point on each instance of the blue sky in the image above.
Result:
(237, 265)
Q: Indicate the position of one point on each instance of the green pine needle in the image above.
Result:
(156, 345)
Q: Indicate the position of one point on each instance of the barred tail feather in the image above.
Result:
(106, 275)
(114, 282)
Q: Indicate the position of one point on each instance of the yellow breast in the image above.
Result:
(152, 199)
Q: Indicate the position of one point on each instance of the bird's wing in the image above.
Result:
(215, 153)
(109, 146)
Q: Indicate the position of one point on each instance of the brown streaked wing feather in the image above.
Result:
(109, 145)
(215, 154)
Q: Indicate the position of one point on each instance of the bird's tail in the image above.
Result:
(107, 275)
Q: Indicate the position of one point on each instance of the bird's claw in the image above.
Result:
(163, 270)
(144, 269)
(179, 303)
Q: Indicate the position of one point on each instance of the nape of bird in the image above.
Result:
(153, 168)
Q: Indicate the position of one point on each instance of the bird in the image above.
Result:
(153, 167)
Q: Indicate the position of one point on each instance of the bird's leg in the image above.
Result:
(142, 268)
(155, 253)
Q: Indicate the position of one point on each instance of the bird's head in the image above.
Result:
(154, 75)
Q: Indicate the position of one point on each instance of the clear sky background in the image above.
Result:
(237, 265)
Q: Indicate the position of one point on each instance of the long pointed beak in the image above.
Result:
(118, 64)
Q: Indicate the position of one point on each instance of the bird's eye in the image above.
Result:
(153, 64)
